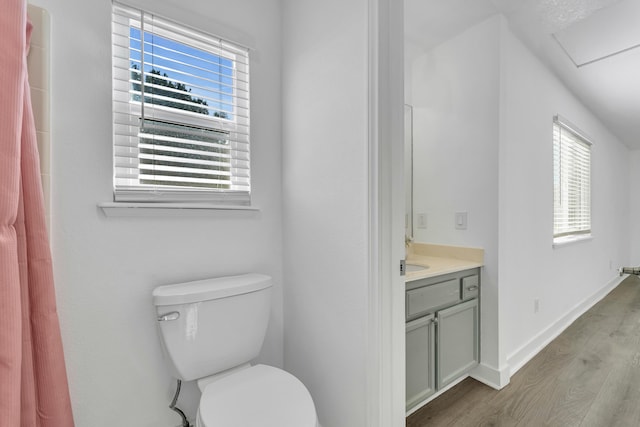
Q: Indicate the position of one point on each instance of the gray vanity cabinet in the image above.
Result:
(457, 341)
(442, 333)
(420, 359)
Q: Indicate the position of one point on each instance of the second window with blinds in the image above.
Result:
(180, 113)
(571, 183)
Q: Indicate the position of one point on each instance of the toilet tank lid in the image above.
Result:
(209, 289)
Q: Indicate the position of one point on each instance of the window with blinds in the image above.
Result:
(571, 182)
(180, 112)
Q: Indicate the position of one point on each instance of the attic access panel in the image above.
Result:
(607, 32)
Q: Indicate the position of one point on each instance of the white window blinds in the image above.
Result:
(180, 112)
(571, 181)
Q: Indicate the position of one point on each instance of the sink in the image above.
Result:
(415, 267)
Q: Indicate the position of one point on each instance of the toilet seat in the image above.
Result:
(257, 396)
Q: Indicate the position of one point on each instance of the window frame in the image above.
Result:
(127, 190)
(580, 146)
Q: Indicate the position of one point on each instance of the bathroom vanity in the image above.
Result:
(442, 323)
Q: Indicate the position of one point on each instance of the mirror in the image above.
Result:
(408, 174)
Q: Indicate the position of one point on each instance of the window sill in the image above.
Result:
(569, 240)
(132, 209)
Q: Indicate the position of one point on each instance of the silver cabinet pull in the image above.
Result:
(173, 315)
(472, 288)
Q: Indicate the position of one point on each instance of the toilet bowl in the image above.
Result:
(210, 330)
(257, 396)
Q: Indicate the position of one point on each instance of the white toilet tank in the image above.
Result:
(209, 326)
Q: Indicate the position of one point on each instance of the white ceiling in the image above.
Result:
(587, 29)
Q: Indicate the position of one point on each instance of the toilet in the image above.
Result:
(210, 330)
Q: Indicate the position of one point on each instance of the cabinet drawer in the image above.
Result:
(425, 299)
(470, 286)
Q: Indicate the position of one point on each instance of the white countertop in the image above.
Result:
(441, 259)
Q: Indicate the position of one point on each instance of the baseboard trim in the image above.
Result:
(436, 394)
(524, 354)
(493, 377)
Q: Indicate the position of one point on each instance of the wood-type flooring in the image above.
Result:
(588, 376)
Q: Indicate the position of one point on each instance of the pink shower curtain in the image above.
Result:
(33, 380)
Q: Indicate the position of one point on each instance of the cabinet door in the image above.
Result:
(457, 341)
(420, 355)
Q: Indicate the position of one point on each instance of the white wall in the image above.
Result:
(455, 95)
(326, 203)
(563, 277)
(106, 268)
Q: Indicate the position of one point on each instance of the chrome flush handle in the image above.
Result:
(172, 315)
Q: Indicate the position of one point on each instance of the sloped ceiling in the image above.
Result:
(604, 72)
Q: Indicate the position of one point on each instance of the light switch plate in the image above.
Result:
(422, 220)
(461, 220)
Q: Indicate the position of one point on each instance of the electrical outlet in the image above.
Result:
(536, 305)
